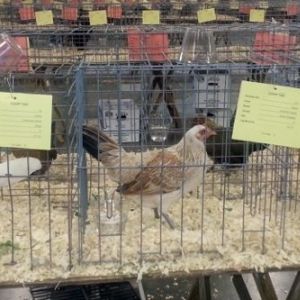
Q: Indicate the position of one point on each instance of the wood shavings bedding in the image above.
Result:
(211, 232)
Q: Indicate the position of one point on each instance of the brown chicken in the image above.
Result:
(160, 175)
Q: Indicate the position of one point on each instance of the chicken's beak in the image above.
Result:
(210, 132)
(206, 133)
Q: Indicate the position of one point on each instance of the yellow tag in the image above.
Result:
(268, 114)
(98, 17)
(25, 120)
(151, 17)
(257, 15)
(44, 17)
(206, 15)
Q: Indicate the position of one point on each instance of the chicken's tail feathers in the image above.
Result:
(96, 142)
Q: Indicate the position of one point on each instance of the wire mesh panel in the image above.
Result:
(154, 196)
(39, 209)
(154, 205)
(263, 44)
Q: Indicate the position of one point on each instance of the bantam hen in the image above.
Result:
(158, 177)
(222, 149)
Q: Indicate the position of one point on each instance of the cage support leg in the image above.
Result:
(295, 289)
(264, 286)
(141, 289)
(201, 289)
(240, 287)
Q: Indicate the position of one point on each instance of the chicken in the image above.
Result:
(46, 157)
(13, 171)
(159, 176)
(78, 37)
(223, 150)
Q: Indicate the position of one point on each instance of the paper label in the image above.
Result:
(25, 120)
(98, 17)
(206, 15)
(151, 17)
(44, 17)
(257, 15)
(268, 113)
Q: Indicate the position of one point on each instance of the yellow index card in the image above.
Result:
(25, 120)
(206, 15)
(98, 17)
(268, 113)
(151, 17)
(44, 17)
(257, 15)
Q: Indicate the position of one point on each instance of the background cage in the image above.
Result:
(18, 14)
(261, 44)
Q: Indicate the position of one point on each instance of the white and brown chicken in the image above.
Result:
(159, 176)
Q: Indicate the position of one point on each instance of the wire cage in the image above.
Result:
(263, 44)
(241, 214)
(145, 87)
(40, 208)
(75, 13)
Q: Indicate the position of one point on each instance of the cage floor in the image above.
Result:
(216, 230)
(108, 55)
